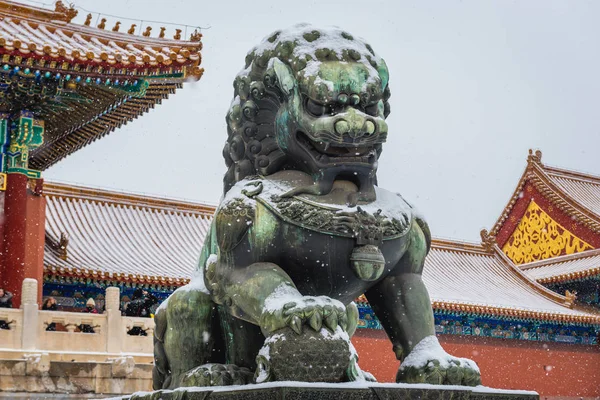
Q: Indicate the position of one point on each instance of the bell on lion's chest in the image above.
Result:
(367, 262)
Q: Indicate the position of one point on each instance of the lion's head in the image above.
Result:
(313, 100)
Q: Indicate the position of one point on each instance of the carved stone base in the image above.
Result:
(304, 391)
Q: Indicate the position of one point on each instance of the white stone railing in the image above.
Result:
(11, 338)
(28, 328)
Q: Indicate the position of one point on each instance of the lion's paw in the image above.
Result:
(429, 363)
(294, 312)
(217, 375)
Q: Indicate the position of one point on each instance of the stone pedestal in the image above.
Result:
(324, 391)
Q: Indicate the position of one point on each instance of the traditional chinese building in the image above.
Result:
(486, 306)
(63, 86)
(551, 229)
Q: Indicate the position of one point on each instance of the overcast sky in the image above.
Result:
(475, 84)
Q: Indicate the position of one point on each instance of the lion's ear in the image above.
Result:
(285, 76)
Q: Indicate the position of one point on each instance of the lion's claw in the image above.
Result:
(316, 321)
(296, 324)
(447, 370)
(315, 312)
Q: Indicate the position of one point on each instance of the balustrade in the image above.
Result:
(28, 328)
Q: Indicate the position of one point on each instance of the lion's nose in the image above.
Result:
(342, 127)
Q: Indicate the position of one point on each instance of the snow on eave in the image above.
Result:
(545, 292)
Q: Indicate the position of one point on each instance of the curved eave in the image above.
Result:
(85, 273)
(568, 268)
(74, 44)
(65, 143)
(511, 313)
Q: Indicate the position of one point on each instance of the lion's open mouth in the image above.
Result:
(327, 152)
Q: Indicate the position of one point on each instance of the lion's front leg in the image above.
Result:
(263, 294)
(402, 304)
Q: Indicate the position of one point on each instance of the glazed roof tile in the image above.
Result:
(564, 268)
(113, 235)
(487, 282)
(39, 32)
(583, 188)
(148, 239)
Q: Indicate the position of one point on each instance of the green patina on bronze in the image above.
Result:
(303, 230)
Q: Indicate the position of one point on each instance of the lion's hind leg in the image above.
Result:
(187, 335)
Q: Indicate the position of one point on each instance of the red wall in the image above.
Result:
(554, 370)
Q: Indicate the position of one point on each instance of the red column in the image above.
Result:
(23, 236)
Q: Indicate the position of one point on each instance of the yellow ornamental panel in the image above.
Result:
(538, 237)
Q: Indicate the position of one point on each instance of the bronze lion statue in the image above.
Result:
(303, 230)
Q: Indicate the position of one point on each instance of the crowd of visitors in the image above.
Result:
(141, 305)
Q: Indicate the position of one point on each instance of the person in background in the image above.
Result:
(140, 306)
(50, 305)
(5, 302)
(5, 299)
(90, 307)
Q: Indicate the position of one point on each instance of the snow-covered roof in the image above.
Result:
(468, 277)
(123, 236)
(564, 268)
(146, 239)
(583, 188)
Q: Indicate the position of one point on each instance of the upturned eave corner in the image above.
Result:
(566, 300)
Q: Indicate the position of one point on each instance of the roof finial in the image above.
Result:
(147, 31)
(570, 298)
(69, 13)
(102, 23)
(131, 30)
(63, 243)
(196, 36)
(177, 34)
(162, 32)
(488, 241)
(535, 156)
(117, 26)
(88, 20)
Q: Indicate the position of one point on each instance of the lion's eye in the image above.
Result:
(372, 110)
(315, 108)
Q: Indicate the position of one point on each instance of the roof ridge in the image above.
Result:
(79, 192)
(540, 172)
(571, 173)
(458, 246)
(559, 259)
(61, 17)
(544, 291)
